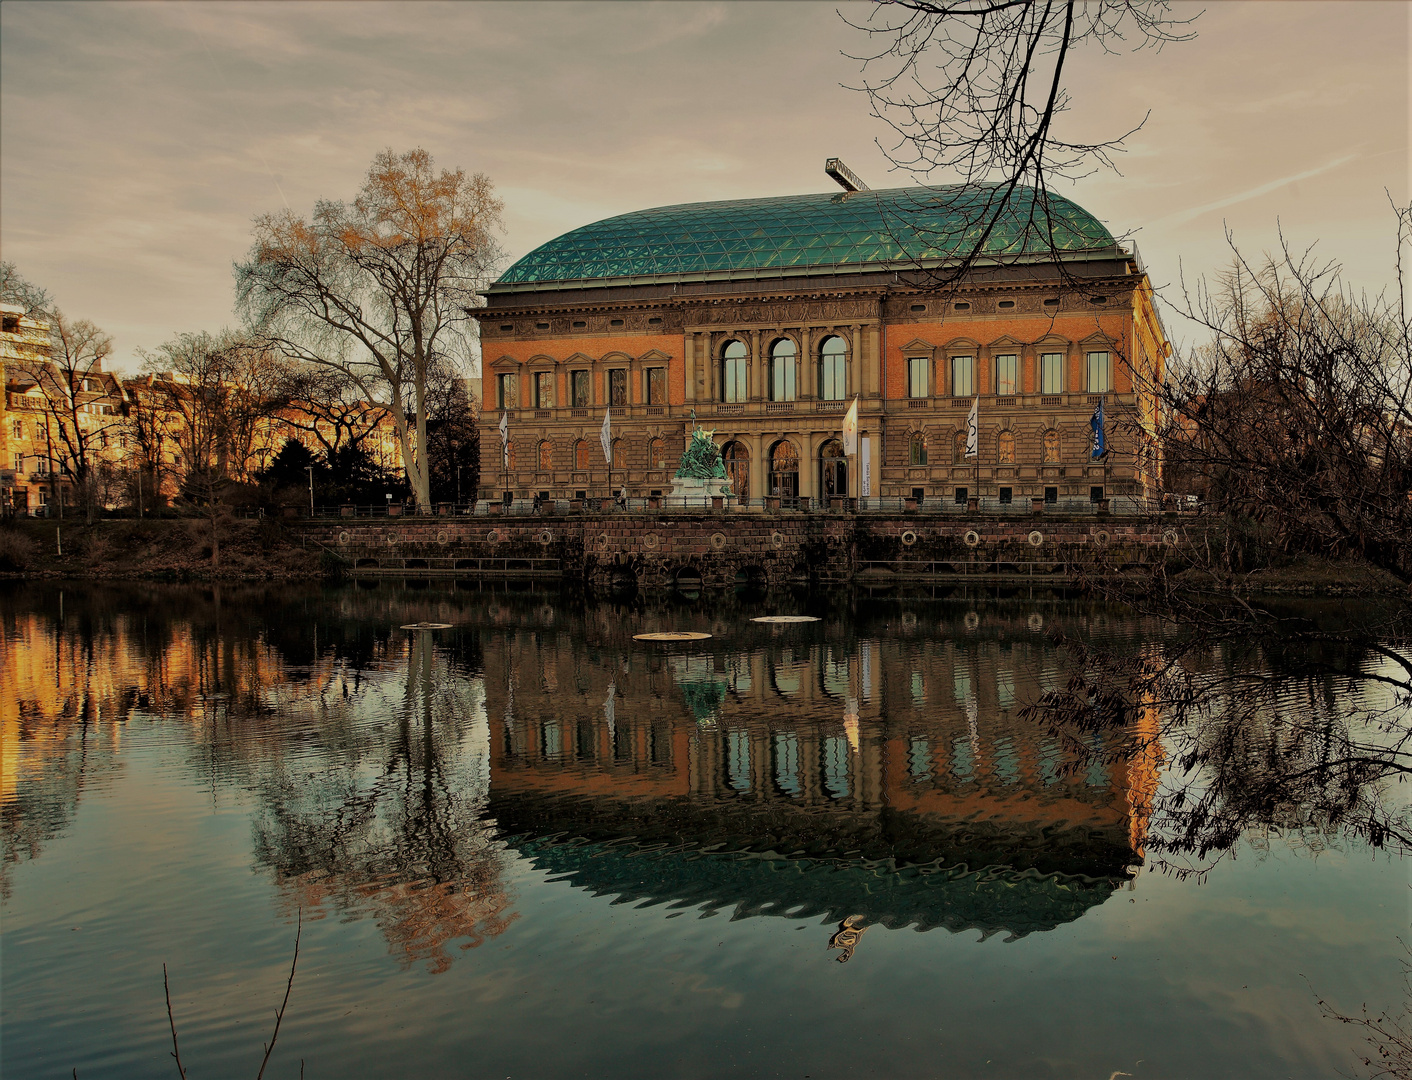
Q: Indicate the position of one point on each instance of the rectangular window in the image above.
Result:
(41, 466)
(1095, 494)
(1006, 495)
(961, 495)
(1051, 495)
(917, 382)
(19, 429)
(919, 494)
(657, 386)
(1007, 371)
(19, 463)
(1051, 373)
(582, 389)
(618, 386)
(544, 390)
(1100, 373)
(963, 376)
(507, 391)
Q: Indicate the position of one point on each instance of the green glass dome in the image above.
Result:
(825, 233)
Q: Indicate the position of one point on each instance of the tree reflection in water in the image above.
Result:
(391, 823)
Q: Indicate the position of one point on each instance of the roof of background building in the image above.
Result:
(796, 234)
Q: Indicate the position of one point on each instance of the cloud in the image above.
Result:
(1181, 217)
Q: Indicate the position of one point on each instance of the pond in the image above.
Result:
(528, 845)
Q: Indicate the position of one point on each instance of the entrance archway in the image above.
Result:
(833, 468)
(784, 470)
(736, 457)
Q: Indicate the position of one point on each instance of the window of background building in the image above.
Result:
(917, 382)
(657, 386)
(1051, 373)
(1100, 373)
(507, 391)
(918, 453)
(19, 463)
(1007, 372)
(782, 370)
(581, 386)
(19, 429)
(733, 372)
(544, 390)
(963, 376)
(618, 386)
(833, 378)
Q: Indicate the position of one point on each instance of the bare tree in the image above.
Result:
(213, 393)
(378, 289)
(973, 90)
(327, 405)
(80, 402)
(16, 289)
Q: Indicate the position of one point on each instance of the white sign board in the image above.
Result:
(866, 484)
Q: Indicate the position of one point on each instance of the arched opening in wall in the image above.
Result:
(687, 581)
(833, 369)
(622, 581)
(517, 564)
(467, 564)
(958, 448)
(656, 449)
(415, 564)
(784, 470)
(736, 457)
(783, 355)
(751, 577)
(1005, 448)
(1051, 446)
(581, 455)
(734, 369)
(917, 449)
(833, 468)
(365, 563)
(546, 456)
(618, 453)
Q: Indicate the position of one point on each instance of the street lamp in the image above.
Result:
(310, 470)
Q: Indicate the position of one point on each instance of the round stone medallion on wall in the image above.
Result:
(545, 536)
(344, 537)
(972, 538)
(1036, 539)
(602, 541)
(441, 537)
(1101, 538)
(718, 541)
(392, 539)
(777, 538)
(493, 537)
(909, 538)
(1171, 538)
(651, 541)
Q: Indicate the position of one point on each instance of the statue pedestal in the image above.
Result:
(692, 492)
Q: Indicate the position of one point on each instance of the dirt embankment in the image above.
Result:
(164, 549)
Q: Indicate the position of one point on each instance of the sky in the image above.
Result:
(138, 141)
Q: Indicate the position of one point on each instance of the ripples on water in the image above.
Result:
(443, 787)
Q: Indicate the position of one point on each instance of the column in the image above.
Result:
(810, 466)
(689, 366)
(759, 467)
(874, 359)
(757, 374)
(808, 369)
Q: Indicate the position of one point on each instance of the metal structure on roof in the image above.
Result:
(820, 233)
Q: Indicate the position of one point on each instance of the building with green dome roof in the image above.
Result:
(767, 318)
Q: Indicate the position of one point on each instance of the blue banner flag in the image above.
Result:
(1100, 443)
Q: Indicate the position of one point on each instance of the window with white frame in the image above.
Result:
(507, 391)
(544, 390)
(917, 381)
(734, 367)
(782, 370)
(1007, 374)
(1051, 373)
(833, 382)
(1100, 373)
(963, 376)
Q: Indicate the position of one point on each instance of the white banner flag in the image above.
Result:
(606, 436)
(505, 440)
(850, 429)
(973, 429)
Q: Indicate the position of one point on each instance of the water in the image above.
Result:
(528, 846)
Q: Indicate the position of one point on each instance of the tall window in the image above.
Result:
(733, 372)
(782, 370)
(963, 376)
(833, 377)
(657, 386)
(958, 448)
(581, 455)
(618, 386)
(617, 453)
(546, 456)
(544, 390)
(507, 391)
(582, 389)
(1005, 448)
(654, 453)
(784, 470)
(1051, 373)
(1100, 373)
(1051, 446)
(1007, 371)
(917, 382)
(510, 453)
(917, 452)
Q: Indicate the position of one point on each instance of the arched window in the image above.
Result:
(1005, 448)
(655, 448)
(834, 469)
(618, 451)
(546, 456)
(510, 454)
(581, 455)
(782, 370)
(917, 452)
(958, 448)
(736, 457)
(784, 470)
(734, 367)
(833, 369)
(1051, 446)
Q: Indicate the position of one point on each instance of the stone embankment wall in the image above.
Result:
(720, 550)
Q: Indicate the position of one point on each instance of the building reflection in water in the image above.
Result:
(890, 778)
(875, 768)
